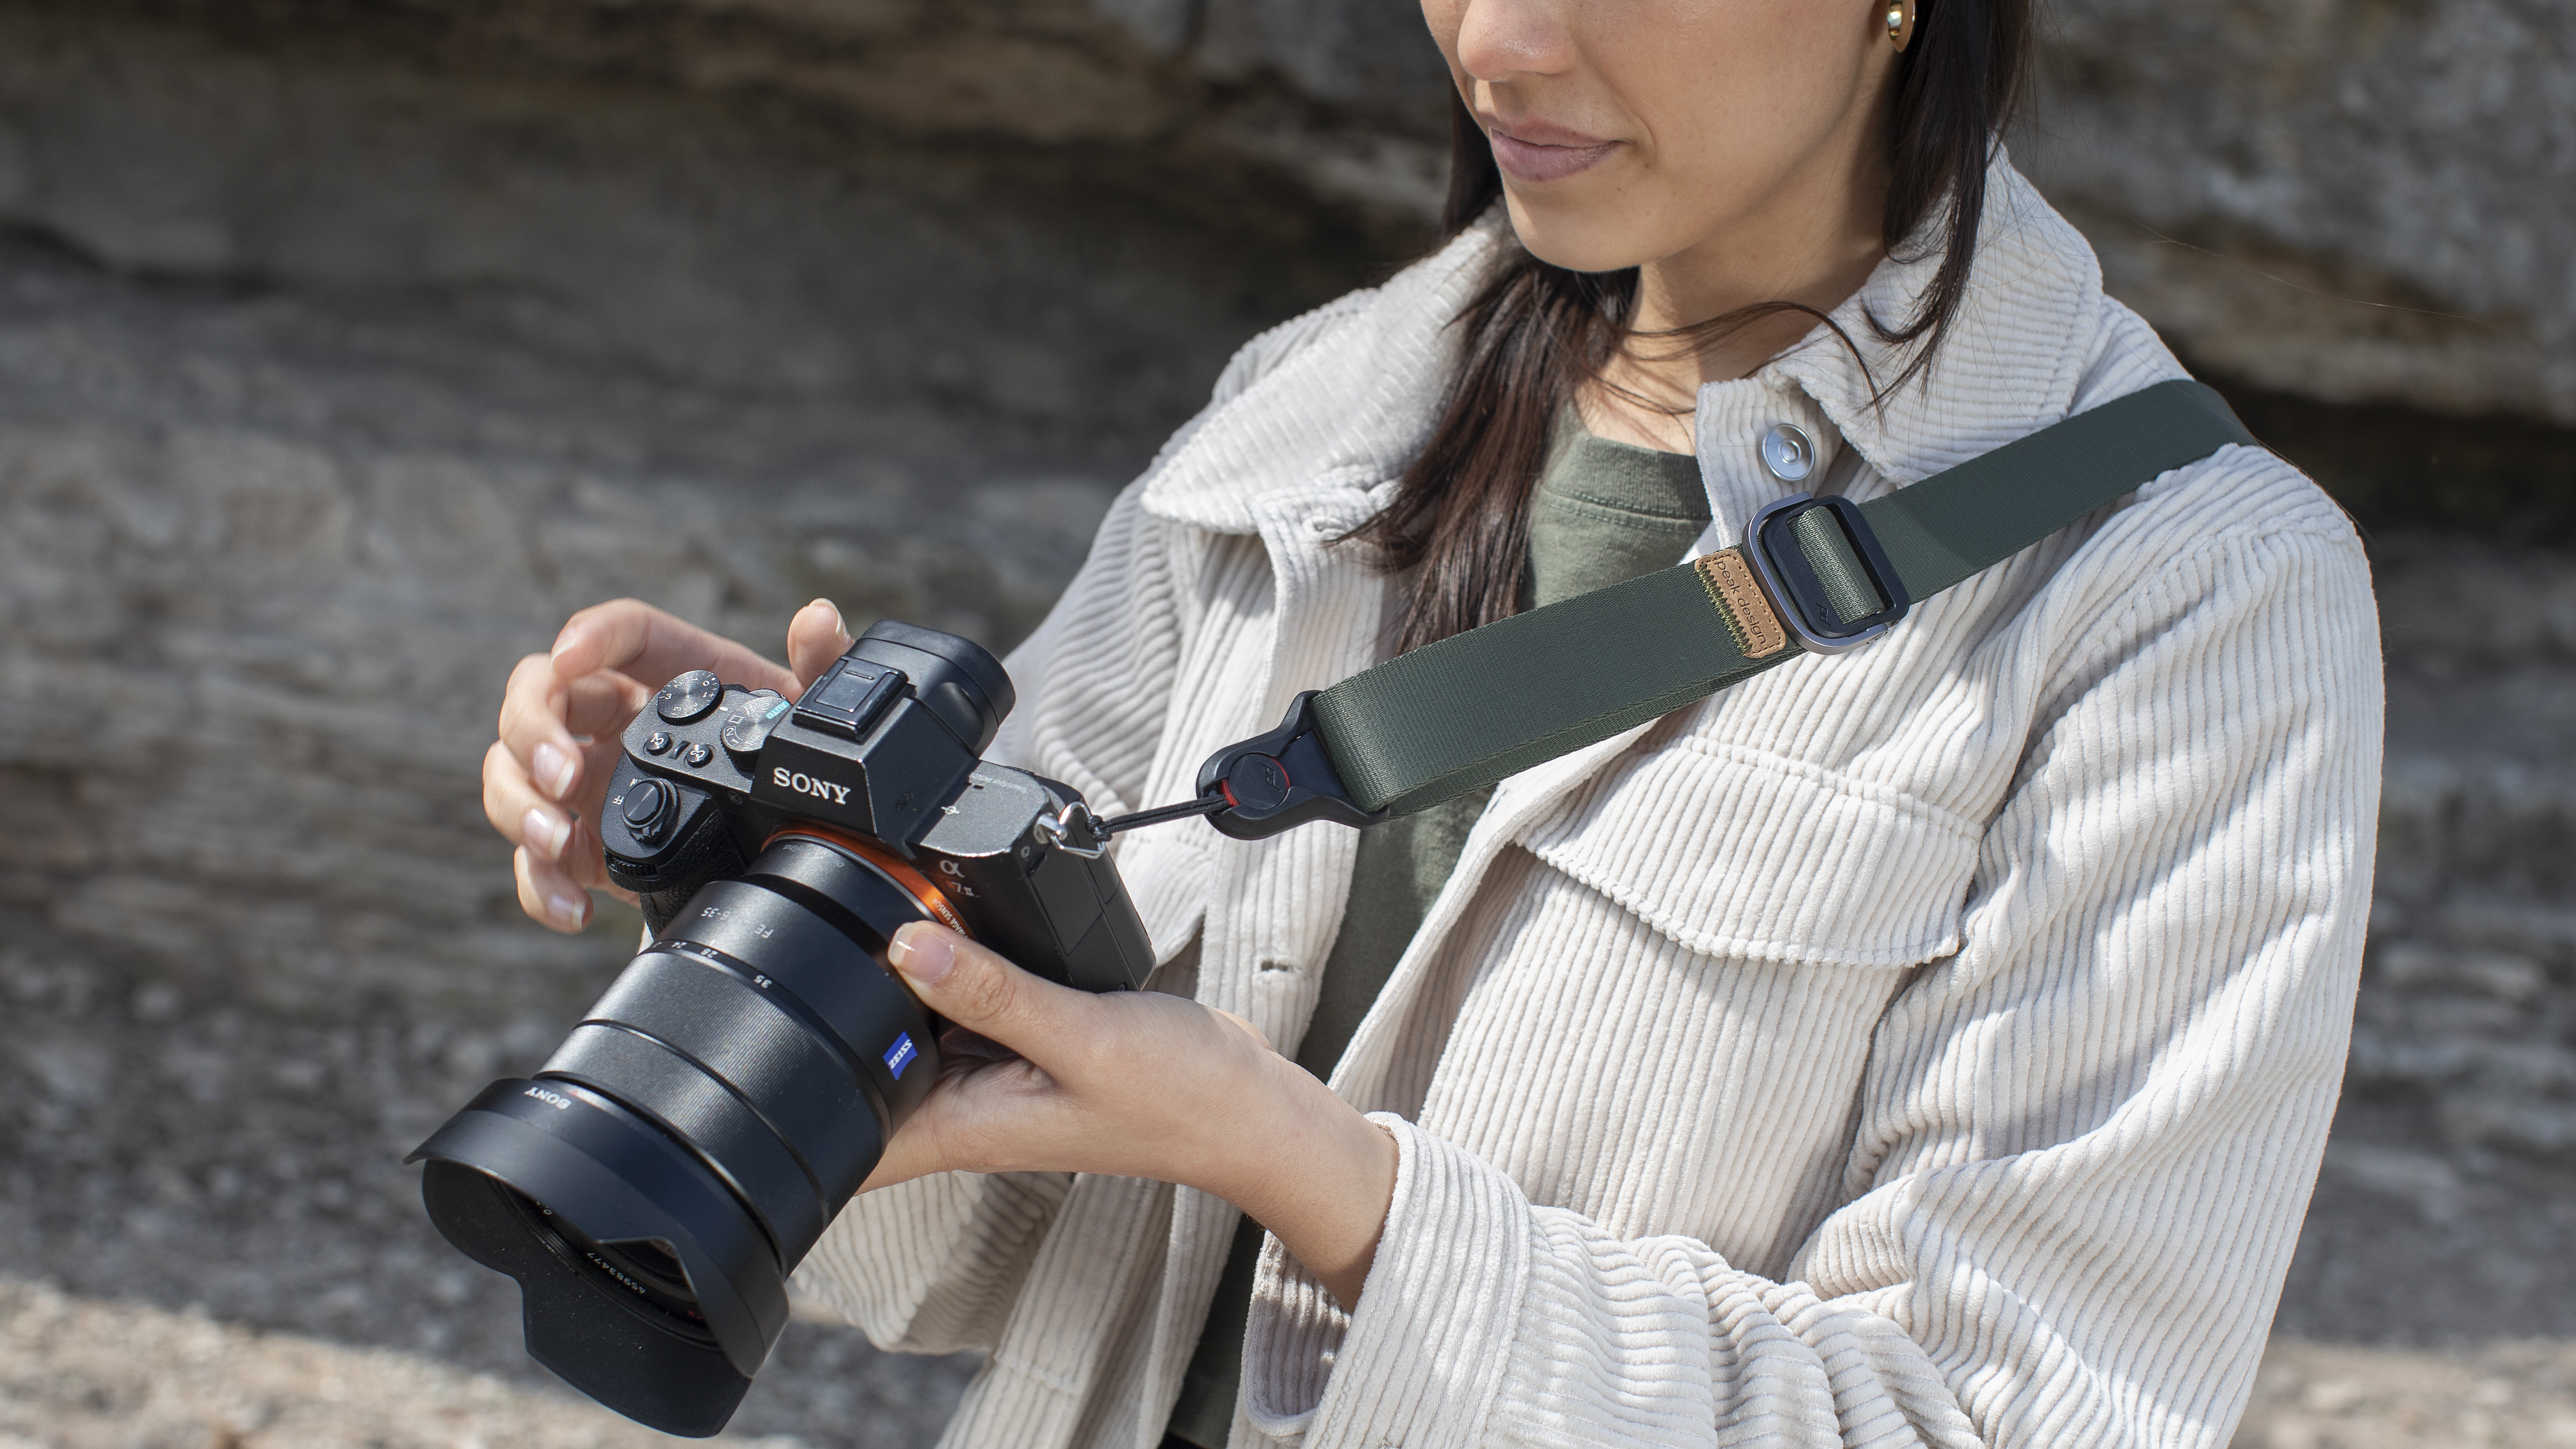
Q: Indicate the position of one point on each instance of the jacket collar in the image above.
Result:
(1374, 377)
(1378, 362)
(2027, 326)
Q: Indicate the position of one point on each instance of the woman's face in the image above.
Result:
(1632, 131)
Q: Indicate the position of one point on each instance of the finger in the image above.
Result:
(650, 645)
(548, 896)
(1254, 1032)
(534, 726)
(543, 720)
(586, 865)
(951, 1129)
(523, 815)
(987, 995)
(603, 703)
(815, 637)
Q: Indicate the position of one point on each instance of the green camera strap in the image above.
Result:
(1494, 701)
(1813, 575)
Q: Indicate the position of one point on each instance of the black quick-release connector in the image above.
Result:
(1254, 789)
(1279, 781)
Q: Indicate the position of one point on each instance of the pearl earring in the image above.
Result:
(1900, 23)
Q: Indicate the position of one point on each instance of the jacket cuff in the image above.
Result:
(1422, 1360)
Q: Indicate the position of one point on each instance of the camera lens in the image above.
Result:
(646, 1269)
(657, 1180)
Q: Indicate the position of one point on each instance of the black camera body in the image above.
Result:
(654, 1184)
(884, 748)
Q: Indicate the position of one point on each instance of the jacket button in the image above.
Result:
(1788, 454)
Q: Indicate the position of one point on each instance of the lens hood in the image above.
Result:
(611, 1177)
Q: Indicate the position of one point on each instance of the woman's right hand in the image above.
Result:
(546, 777)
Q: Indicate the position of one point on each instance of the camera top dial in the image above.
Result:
(688, 698)
(753, 717)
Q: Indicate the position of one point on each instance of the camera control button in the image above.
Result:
(659, 743)
(698, 755)
(748, 727)
(649, 806)
(688, 697)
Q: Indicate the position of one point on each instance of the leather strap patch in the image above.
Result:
(1739, 601)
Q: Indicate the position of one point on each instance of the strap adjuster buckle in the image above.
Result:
(1804, 595)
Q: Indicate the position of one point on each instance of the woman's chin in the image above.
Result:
(1578, 238)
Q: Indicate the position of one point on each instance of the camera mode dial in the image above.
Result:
(748, 727)
(688, 697)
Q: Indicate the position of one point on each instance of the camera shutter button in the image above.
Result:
(688, 697)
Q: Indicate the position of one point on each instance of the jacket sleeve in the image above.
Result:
(934, 1265)
(2084, 1146)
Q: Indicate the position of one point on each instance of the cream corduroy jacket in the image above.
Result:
(1927, 1045)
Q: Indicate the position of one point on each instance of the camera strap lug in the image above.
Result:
(1074, 831)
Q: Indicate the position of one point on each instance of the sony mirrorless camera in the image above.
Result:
(656, 1181)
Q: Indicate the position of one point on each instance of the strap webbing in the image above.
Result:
(1491, 702)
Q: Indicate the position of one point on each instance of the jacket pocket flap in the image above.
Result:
(1735, 852)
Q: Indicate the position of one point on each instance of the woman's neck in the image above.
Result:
(1811, 245)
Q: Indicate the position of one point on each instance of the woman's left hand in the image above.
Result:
(1140, 1084)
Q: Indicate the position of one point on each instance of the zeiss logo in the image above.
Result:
(901, 1055)
(804, 784)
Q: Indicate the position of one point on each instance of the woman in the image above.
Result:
(1930, 1044)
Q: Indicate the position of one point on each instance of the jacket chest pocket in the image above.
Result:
(1733, 852)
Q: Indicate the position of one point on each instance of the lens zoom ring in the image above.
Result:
(759, 1050)
(696, 1108)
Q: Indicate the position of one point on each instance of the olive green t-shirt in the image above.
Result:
(1604, 513)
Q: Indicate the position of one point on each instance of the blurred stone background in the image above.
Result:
(347, 345)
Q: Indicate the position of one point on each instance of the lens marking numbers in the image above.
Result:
(717, 913)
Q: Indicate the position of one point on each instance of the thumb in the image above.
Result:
(815, 637)
(980, 991)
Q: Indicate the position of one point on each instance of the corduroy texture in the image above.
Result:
(1932, 1044)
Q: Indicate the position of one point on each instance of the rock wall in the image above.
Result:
(2364, 203)
(2449, 1193)
(346, 347)
(2361, 204)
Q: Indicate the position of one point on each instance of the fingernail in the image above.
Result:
(553, 769)
(837, 626)
(922, 953)
(546, 832)
(569, 912)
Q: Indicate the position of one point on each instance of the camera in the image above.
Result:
(654, 1184)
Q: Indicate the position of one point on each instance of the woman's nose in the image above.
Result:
(1504, 40)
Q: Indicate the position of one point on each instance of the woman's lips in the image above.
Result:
(1537, 151)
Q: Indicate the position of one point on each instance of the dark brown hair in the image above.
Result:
(1535, 333)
